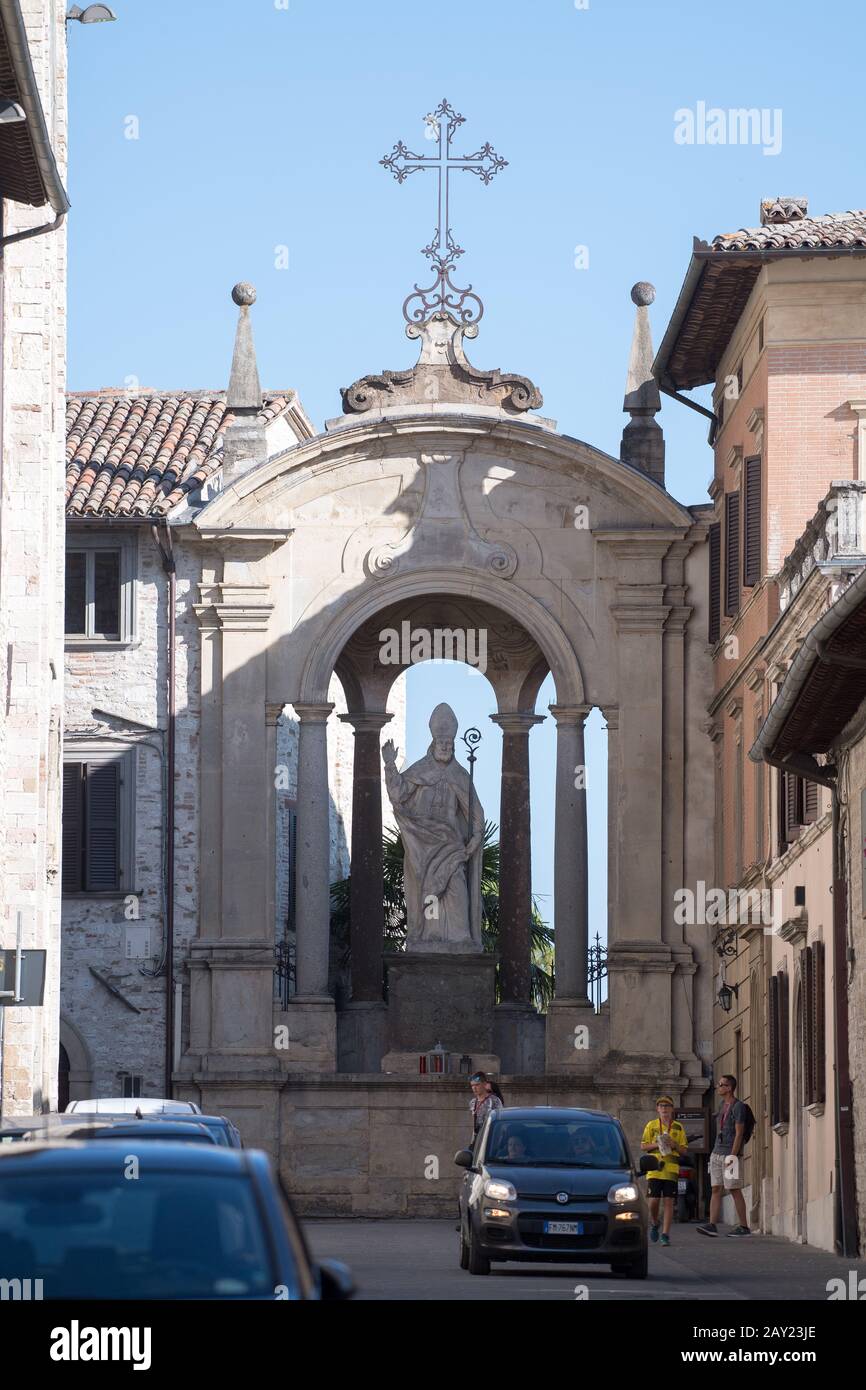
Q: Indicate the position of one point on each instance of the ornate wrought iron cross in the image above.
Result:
(443, 250)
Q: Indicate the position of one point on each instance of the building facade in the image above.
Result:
(32, 385)
(773, 318)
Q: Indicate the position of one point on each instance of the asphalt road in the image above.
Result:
(417, 1260)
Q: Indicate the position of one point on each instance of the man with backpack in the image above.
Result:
(734, 1125)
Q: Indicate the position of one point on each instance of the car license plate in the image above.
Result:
(563, 1228)
(682, 1184)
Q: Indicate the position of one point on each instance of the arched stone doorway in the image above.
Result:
(75, 1066)
(442, 515)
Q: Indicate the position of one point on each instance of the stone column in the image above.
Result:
(515, 864)
(367, 908)
(312, 867)
(571, 905)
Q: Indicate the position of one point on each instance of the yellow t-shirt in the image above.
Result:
(669, 1164)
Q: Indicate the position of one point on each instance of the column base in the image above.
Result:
(518, 1036)
(311, 1038)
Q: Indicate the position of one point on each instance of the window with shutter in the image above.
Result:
(784, 1049)
(819, 1024)
(807, 1061)
(774, 1049)
(732, 554)
(810, 802)
(752, 523)
(101, 827)
(792, 807)
(99, 820)
(715, 560)
(73, 827)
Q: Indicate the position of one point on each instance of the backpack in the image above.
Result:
(748, 1123)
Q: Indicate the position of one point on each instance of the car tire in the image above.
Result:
(478, 1262)
(464, 1252)
(635, 1269)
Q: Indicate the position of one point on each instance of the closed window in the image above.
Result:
(732, 553)
(715, 562)
(100, 578)
(98, 802)
(780, 1080)
(752, 523)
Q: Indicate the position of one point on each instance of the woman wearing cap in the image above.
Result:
(666, 1138)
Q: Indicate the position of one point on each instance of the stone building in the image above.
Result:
(773, 317)
(32, 382)
(817, 724)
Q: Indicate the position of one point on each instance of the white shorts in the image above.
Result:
(726, 1170)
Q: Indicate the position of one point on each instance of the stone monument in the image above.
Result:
(442, 987)
(441, 825)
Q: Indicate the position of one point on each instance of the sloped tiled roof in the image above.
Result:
(139, 454)
(842, 229)
(720, 279)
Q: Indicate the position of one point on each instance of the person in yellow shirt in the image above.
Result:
(666, 1138)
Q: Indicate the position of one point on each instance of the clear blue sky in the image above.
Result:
(262, 126)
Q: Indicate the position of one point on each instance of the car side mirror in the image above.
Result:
(687, 1160)
(647, 1164)
(463, 1158)
(336, 1281)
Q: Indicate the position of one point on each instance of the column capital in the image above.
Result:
(570, 716)
(611, 715)
(517, 722)
(272, 713)
(366, 721)
(313, 713)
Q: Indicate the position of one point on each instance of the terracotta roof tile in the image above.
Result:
(803, 234)
(140, 454)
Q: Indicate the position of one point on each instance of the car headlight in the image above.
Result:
(625, 1192)
(502, 1191)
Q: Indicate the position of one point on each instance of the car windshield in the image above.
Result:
(556, 1143)
(116, 1235)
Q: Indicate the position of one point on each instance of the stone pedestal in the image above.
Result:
(310, 1041)
(518, 1036)
(577, 1038)
(440, 998)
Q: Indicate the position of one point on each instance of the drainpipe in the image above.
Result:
(845, 1194)
(162, 538)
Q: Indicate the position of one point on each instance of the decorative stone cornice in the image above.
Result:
(312, 713)
(570, 716)
(518, 722)
(755, 426)
(734, 461)
(239, 607)
(443, 374)
(273, 713)
(366, 721)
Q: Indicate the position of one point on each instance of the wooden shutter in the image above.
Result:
(752, 523)
(784, 1049)
(792, 806)
(102, 837)
(810, 802)
(73, 827)
(819, 1023)
(807, 1061)
(774, 1049)
(732, 553)
(715, 559)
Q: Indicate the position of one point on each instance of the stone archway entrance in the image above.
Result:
(459, 515)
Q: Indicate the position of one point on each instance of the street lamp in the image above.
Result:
(94, 14)
(10, 112)
(727, 994)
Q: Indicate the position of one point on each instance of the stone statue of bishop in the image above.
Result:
(441, 824)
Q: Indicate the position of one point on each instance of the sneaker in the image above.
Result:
(665, 1240)
(654, 1234)
(708, 1230)
(740, 1231)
